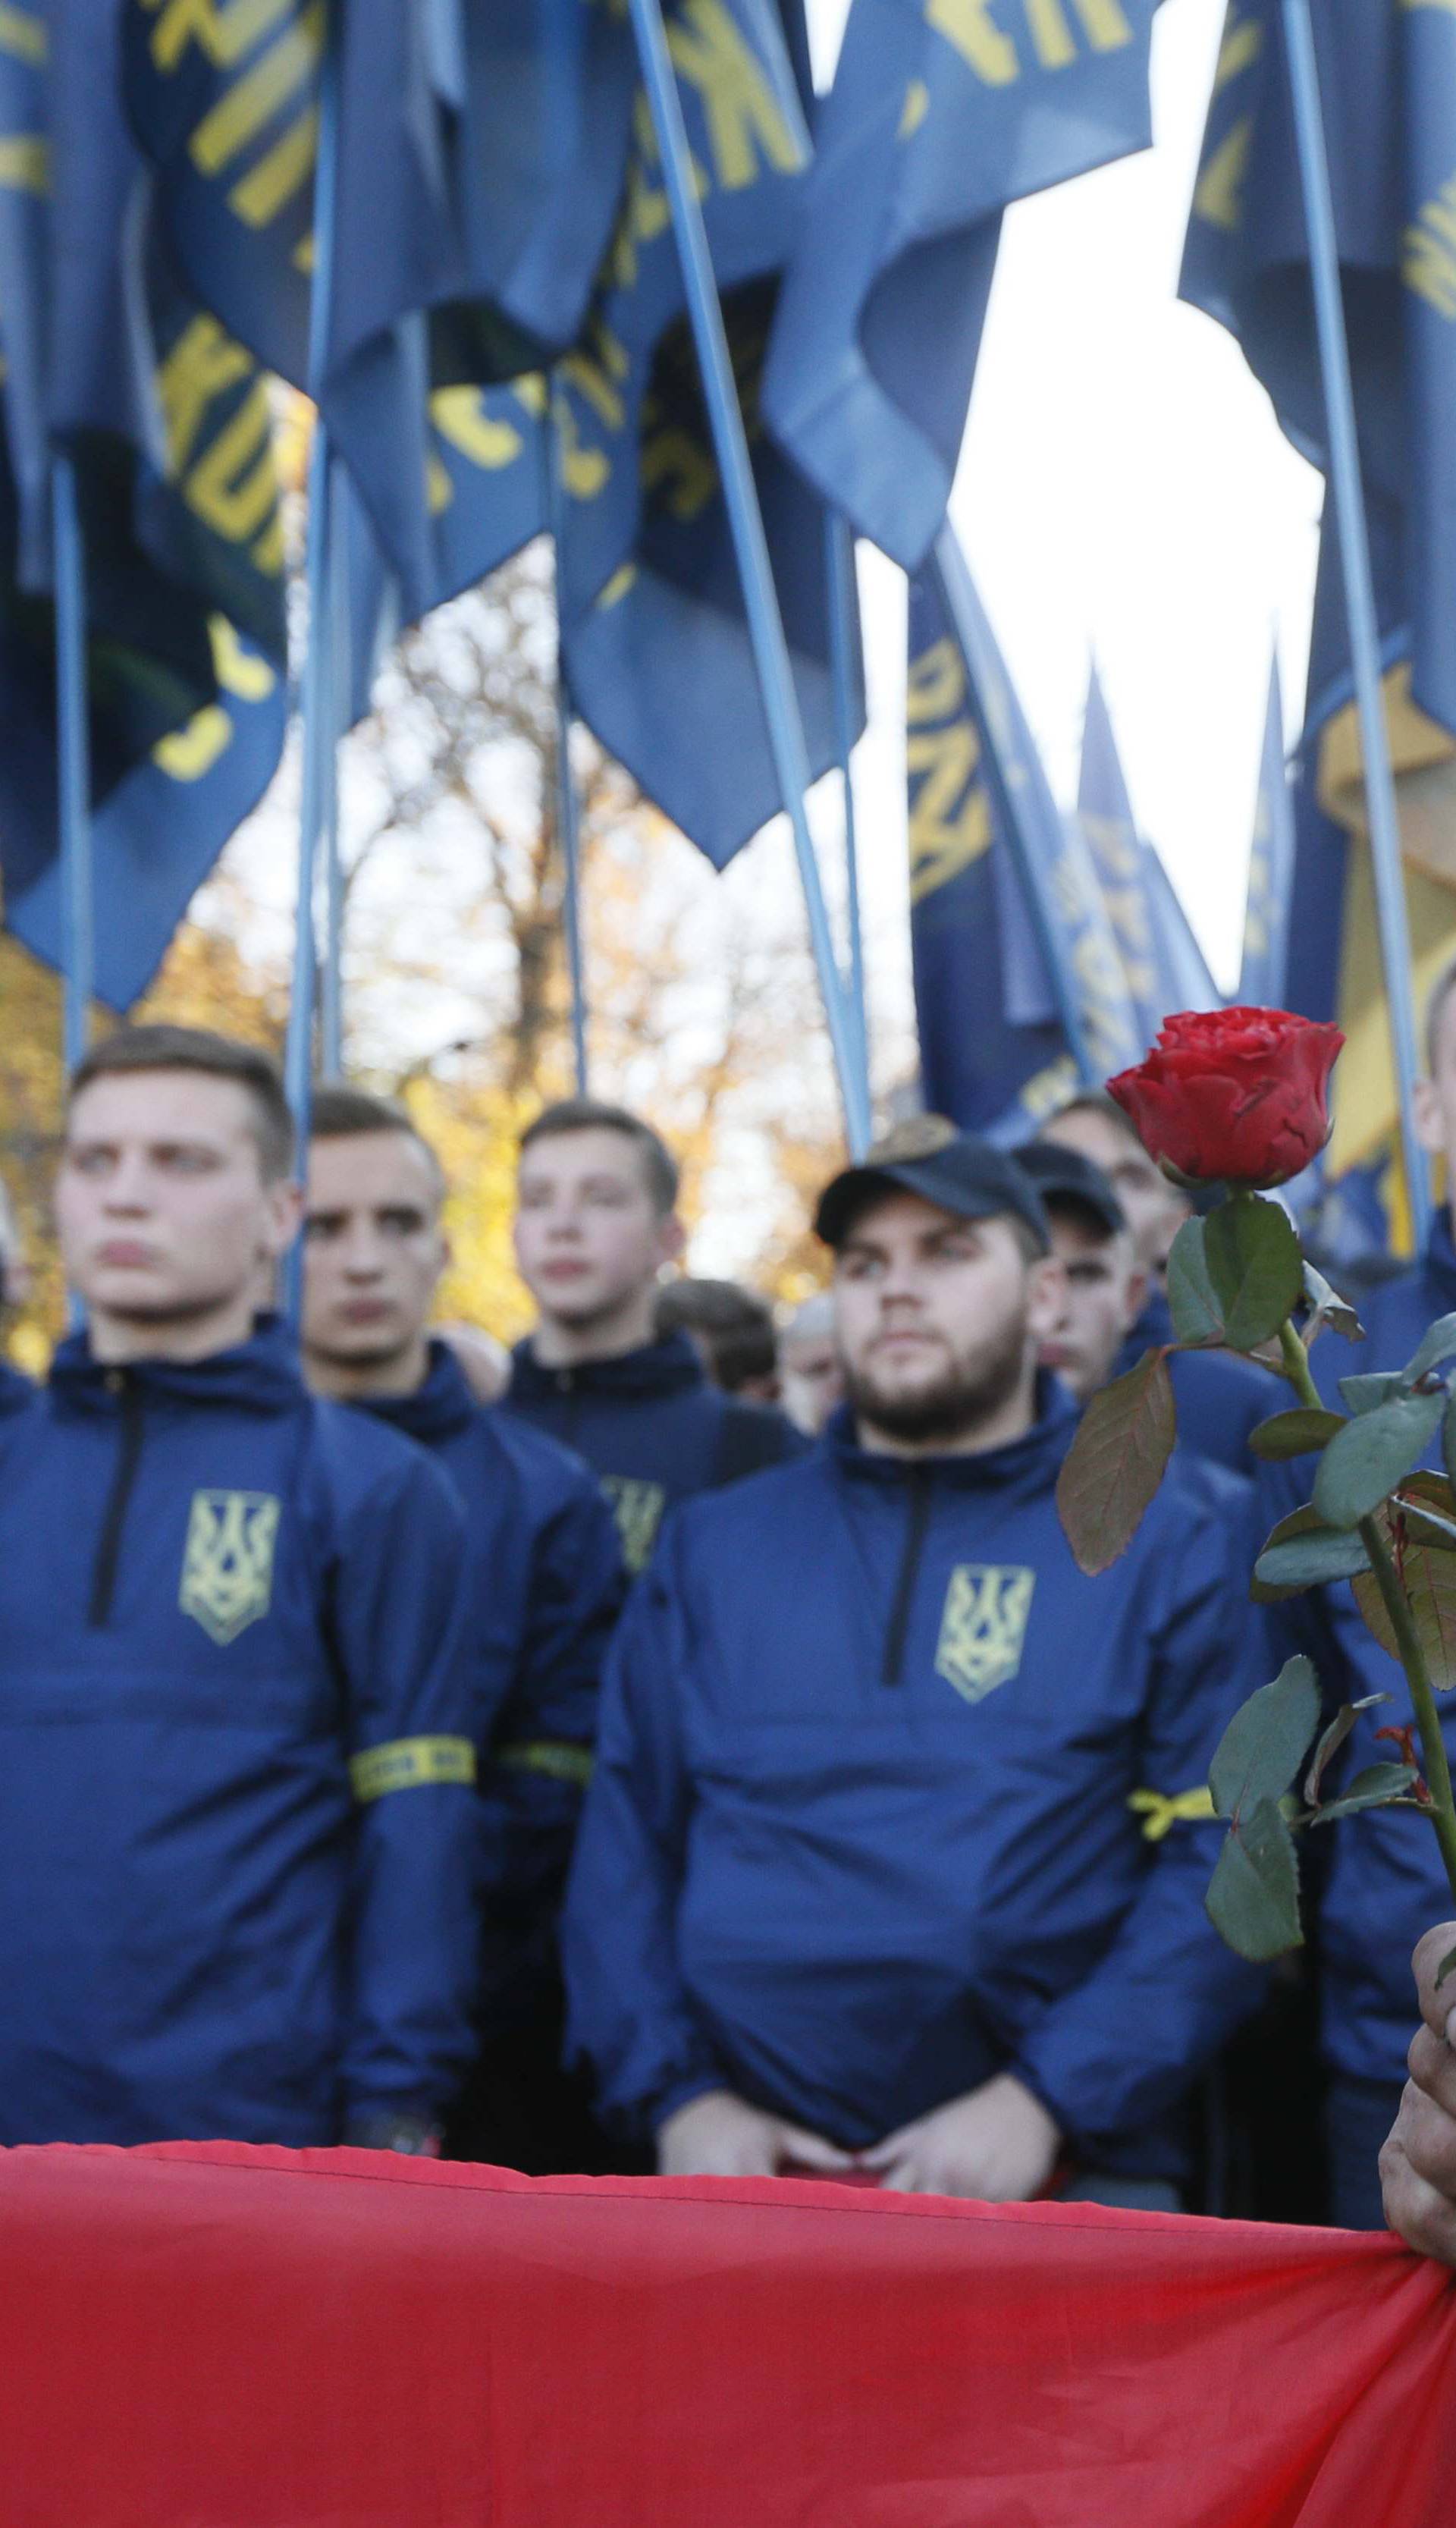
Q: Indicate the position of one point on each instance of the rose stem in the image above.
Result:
(1442, 1810)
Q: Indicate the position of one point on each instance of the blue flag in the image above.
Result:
(941, 112)
(653, 630)
(1165, 967)
(1008, 931)
(1263, 976)
(1388, 81)
(168, 426)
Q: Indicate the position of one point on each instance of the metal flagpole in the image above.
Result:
(751, 545)
(331, 980)
(74, 762)
(845, 670)
(568, 820)
(317, 686)
(1360, 601)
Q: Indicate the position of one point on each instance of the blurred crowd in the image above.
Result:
(683, 1742)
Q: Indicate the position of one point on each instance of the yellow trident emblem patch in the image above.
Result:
(636, 1507)
(227, 1579)
(984, 1626)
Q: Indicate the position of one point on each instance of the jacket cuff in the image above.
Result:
(1044, 2095)
(697, 2084)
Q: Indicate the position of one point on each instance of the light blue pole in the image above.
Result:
(1360, 599)
(331, 980)
(751, 546)
(73, 763)
(569, 820)
(953, 582)
(318, 683)
(845, 670)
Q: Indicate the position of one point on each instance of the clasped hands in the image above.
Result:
(1417, 2165)
(997, 2143)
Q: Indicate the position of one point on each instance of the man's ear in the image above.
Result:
(1046, 1297)
(1137, 1294)
(672, 1238)
(284, 1216)
(1431, 1123)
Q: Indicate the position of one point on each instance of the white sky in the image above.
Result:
(1123, 489)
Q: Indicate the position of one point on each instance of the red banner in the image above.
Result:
(203, 2336)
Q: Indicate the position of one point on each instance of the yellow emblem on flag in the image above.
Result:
(226, 1578)
(983, 1628)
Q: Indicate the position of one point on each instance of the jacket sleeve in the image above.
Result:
(400, 1611)
(628, 2013)
(534, 1776)
(1125, 2044)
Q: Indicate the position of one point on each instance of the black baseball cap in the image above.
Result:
(1064, 1177)
(927, 1156)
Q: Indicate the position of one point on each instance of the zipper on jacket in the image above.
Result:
(919, 1485)
(129, 1452)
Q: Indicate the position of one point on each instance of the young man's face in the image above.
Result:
(373, 1251)
(811, 1379)
(939, 1318)
(588, 1233)
(161, 1203)
(1104, 1291)
(1155, 1210)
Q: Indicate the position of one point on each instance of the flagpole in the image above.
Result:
(73, 763)
(953, 582)
(331, 980)
(1387, 865)
(844, 675)
(568, 822)
(751, 546)
(317, 686)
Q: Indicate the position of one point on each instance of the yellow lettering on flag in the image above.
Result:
(233, 485)
(1107, 29)
(1219, 194)
(949, 823)
(282, 173)
(738, 107)
(24, 163)
(188, 753)
(980, 42)
(1427, 263)
(673, 458)
(239, 671)
(23, 36)
(1239, 50)
(203, 362)
(459, 415)
(223, 34)
(250, 103)
(937, 684)
(914, 109)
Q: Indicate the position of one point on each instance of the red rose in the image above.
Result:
(1233, 1095)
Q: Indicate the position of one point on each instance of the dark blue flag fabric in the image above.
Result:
(941, 112)
(656, 638)
(1165, 967)
(1263, 976)
(1001, 887)
(169, 424)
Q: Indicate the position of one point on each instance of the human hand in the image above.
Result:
(997, 2143)
(1417, 2165)
(720, 2135)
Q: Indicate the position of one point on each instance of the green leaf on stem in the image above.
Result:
(1369, 1389)
(1333, 1739)
(1116, 1462)
(1437, 1346)
(1428, 1574)
(1448, 1439)
(1368, 1458)
(1296, 1434)
(1265, 1742)
(1380, 1786)
(1428, 1506)
(1253, 1898)
(1255, 1266)
(1301, 1552)
(1329, 1309)
(1193, 1302)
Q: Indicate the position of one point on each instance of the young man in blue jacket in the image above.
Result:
(595, 1224)
(548, 1578)
(236, 1750)
(891, 1856)
(1219, 1399)
(1385, 1882)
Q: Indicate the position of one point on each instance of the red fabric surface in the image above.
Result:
(203, 2336)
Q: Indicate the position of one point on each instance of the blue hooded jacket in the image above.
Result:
(1384, 1883)
(237, 1750)
(862, 1830)
(653, 1428)
(1219, 1399)
(549, 1584)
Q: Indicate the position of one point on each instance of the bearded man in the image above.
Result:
(892, 1865)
